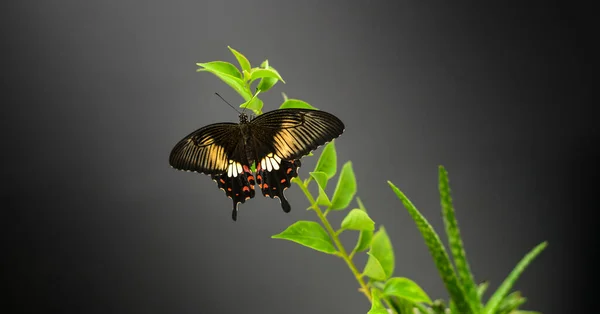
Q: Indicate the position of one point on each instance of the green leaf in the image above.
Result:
(482, 288)
(309, 234)
(404, 306)
(296, 103)
(438, 252)
(221, 67)
(365, 236)
(254, 104)
(511, 303)
(381, 250)
(266, 83)
(358, 220)
(345, 189)
(376, 306)
(496, 298)
(405, 288)
(327, 162)
(258, 73)
(234, 82)
(456, 244)
(373, 268)
(242, 60)
(285, 97)
(320, 178)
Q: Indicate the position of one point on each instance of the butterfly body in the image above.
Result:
(274, 142)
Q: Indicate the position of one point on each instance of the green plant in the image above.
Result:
(385, 292)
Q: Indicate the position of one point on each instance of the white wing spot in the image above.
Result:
(270, 162)
(234, 169)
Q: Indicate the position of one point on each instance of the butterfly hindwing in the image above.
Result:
(238, 184)
(274, 176)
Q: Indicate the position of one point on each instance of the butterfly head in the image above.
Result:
(243, 118)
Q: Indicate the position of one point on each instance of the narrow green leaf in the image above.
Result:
(345, 189)
(258, 73)
(365, 236)
(438, 252)
(221, 67)
(496, 298)
(407, 289)
(320, 178)
(285, 97)
(482, 288)
(309, 234)
(242, 60)
(234, 82)
(296, 103)
(327, 162)
(376, 306)
(511, 303)
(456, 244)
(373, 268)
(381, 249)
(357, 219)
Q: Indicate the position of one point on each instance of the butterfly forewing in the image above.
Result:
(293, 133)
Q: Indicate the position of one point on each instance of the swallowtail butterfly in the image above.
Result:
(275, 141)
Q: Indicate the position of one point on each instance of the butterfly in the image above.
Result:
(274, 142)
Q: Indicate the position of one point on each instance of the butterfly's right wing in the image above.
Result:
(217, 150)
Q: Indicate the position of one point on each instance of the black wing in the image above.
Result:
(281, 137)
(293, 133)
(218, 150)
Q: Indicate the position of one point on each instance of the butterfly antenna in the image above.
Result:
(228, 103)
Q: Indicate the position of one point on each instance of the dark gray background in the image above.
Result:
(97, 92)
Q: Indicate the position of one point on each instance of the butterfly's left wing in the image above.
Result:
(218, 150)
(281, 137)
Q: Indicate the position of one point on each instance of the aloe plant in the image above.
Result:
(386, 293)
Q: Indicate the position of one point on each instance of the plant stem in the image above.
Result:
(341, 250)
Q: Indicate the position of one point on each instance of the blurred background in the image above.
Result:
(96, 93)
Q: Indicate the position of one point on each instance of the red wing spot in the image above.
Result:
(222, 181)
(282, 180)
(267, 195)
(245, 189)
(229, 189)
(246, 168)
(237, 194)
(258, 168)
(252, 187)
(289, 170)
(274, 188)
(265, 186)
(250, 178)
(259, 177)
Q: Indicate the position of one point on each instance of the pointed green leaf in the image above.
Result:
(357, 219)
(327, 162)
(221, 67)
(438, 252)
(373, 268)
(482, 288)
(320, 178)
(496, 298)
(296, 103)
(258, 73)
(365, 236)
(405, 288)
(376, 306)
(511, 303)
(234, 82)
(456, 244)
(266, 83)
(285, 97)
(242, 60)
(381, 249)
(254, 104)
(345, 189)
(309, 234)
